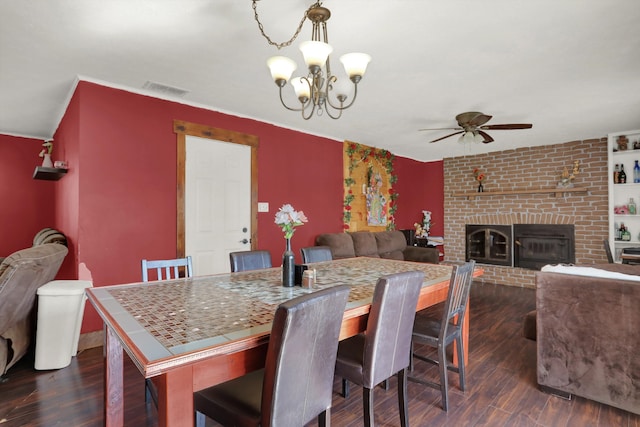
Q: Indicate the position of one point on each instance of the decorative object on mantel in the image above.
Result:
(479, 176)
(288, 219)
(369, 198)
(46, 153)
(313, 91)
(566, 178)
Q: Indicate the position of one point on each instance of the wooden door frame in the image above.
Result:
(184, 129)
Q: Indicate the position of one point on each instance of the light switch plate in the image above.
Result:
(263, 206)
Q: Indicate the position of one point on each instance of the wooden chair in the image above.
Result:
(295, 385)
(171, 269)
(169, 266)
(441, 333)
(369, 358)
(249, 260)
(607, 250)
(316, 254)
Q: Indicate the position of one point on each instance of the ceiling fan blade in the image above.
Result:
(486, 136)
(479, 120)
(440, 129)
(451, 134)
(509, 126)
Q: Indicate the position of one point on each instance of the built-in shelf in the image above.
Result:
(48, 174)
(558, 192)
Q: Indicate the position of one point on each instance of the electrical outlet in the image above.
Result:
(263, 206)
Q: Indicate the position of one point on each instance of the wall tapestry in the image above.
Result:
(369, 199)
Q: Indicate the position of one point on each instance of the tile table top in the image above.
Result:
(166, 318)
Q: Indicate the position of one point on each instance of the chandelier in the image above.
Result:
(316, 90)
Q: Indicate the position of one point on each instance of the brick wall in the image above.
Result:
(529, 168)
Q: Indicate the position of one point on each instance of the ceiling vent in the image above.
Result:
(165, 89)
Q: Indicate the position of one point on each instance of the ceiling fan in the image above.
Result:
(472, 126)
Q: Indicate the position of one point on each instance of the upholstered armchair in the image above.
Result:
(21, 274)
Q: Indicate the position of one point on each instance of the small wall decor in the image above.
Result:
(369, 198)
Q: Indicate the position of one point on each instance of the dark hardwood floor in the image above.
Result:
(501, 385)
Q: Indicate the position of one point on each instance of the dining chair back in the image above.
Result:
(170, 267)
(441, 333)
(166, 269)
(295, 385)
(607, 250)
(249, 260)
(383, 349)
(316, 254)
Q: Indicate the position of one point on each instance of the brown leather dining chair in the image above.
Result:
(249, 260)
(316, 254)
(369, 358)
(295, 385)
(443, 332)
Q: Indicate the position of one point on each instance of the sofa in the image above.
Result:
(382, 244)
(588, 332)
(21, 274)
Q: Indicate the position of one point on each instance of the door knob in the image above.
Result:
(244, 241)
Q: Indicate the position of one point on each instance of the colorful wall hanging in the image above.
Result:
(369, 198)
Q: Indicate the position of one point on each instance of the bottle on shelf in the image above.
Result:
(636, 172)
(622, 177)
(632, 207)
(616, 172)
(625, 234)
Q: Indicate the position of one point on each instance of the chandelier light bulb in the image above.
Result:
(315, 53)
(355, 64)
(478, 138)
(302, 89)
(281, 69)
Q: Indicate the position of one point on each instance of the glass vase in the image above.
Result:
(288, 266)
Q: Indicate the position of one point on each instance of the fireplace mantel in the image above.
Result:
(556, 191)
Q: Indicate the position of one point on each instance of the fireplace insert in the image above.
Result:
(489, 244)
(536, 245)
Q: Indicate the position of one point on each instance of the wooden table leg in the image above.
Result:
(113, 381)
(175, 397)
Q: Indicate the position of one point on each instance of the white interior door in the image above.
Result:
(217, 202)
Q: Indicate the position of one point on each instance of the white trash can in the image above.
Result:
(60, 313)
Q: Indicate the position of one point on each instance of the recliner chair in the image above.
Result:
(21, 274)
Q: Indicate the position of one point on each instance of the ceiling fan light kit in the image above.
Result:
(471, 128)
(313, 91)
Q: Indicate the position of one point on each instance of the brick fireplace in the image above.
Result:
(529, 168)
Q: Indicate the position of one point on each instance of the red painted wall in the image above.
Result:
(27, 204)
(117, 202)
(420, 188)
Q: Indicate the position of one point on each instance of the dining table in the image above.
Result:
(188, 334)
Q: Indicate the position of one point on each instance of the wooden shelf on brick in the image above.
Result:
(557, 192)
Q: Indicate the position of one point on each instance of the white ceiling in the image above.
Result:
(570, 67)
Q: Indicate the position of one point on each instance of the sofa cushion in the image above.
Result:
(341, 244)
(364, 243)
(391, 244)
